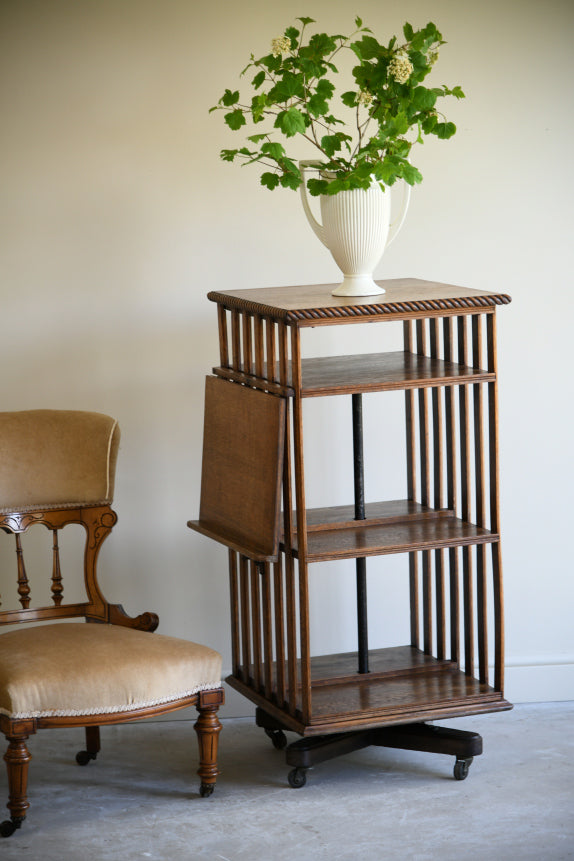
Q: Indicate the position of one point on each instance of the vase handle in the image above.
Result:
(398, 222)
(318, 228)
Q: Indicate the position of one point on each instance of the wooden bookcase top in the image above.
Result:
(315, 304)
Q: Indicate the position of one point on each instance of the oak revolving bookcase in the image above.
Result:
(447, 527)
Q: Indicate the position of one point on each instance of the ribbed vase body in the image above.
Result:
(356, 228)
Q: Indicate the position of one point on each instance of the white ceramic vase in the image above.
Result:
(356, 228)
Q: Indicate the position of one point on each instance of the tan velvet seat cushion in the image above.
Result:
(84, 669)
(56, 458)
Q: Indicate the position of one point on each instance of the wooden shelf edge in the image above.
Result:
(441, 711)
(254, 553)
(487, 703)
(376, 514)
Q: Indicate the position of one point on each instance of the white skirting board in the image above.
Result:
(540, 680)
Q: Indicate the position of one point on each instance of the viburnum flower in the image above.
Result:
(401, 67)
(281, 45)
(364, 98)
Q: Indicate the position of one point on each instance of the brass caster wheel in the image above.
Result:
(461, 768)
(206, 789)
(297, 778)
(278, 738)
(83, 757)
(8, 827)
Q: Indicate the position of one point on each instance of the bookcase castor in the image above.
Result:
(447, 526)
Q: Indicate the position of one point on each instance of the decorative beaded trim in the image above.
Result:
(371, 310)
(115, 710)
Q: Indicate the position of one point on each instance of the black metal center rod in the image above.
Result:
(361, 564)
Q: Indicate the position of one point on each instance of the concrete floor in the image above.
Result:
(140, 799)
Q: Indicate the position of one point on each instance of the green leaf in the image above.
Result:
(444, 131)
(258, 79)
(235, 119)
(273, 150)
(317, 186)
(256, 138)
(398, 125)
(423, 99)
(349, 98)
(228, 99)
(321, 44)
(411, 174)
(288, 87)
(358, 23)
(258, 105)
(291, 122)
(292, 33)
(429, 124)
(290, 180)
(306, 21)
(367, 49)
(228, 154)
(270, 180)
(332, 143)
(408, 31)
(317, 105)
(325, 88)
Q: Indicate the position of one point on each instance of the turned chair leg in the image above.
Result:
(207, 728)
(16, 758)
(83, 757)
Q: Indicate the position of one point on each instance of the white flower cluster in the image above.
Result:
(364, 98)
(281, 45)
(400, 67)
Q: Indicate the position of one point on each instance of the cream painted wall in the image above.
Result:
(117, 218)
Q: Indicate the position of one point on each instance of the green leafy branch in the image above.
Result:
(293, 94)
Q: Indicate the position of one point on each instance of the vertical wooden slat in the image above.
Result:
(256, 624)
(427, 603)
(304, 633)
(493, 426)
(454, 599)
(288, 527)
(245, 619)
(438, 490)
(410, 424)
(410, 418)
(279, 606)
(440, 604)
(247, 345)
(267, 622)
(465, 491)
(424, 428)
(498, 598)
(481, 584)
(451, 494)
(236, 340)
(223, 337)
(450, 428)
(424, 458)
(259, 347)
(437, 414)
(270, 351)
(234, 600)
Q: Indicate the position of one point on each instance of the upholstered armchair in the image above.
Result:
(83, 663)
